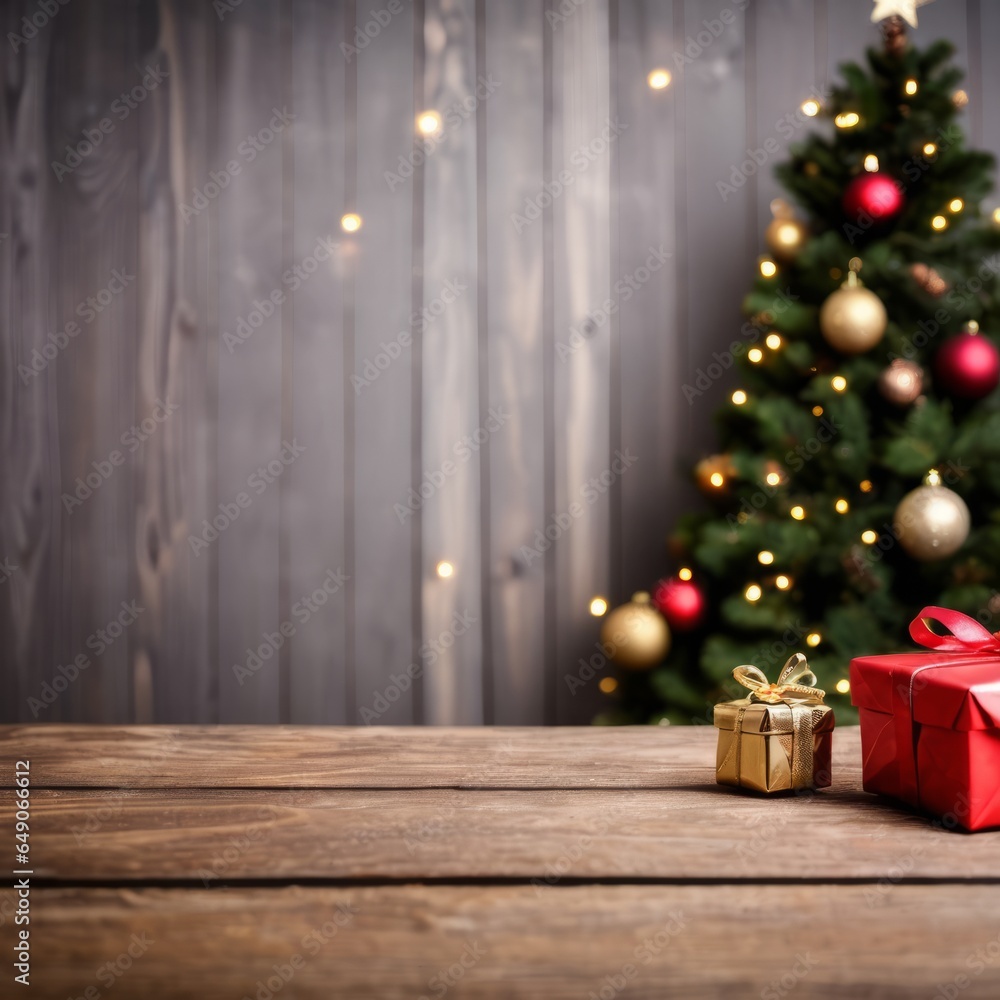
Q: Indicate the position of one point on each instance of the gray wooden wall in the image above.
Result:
(496, 323)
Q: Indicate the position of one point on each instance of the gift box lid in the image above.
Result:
(768, 719)
(953, 690)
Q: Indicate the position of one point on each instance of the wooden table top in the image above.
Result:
(265, 862)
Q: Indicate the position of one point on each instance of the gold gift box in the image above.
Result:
(773, 747)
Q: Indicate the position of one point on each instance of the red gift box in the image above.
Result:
(930, 722)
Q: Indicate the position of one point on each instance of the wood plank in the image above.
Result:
(372, 757)
(514, 280)
(820, 941)
(313, 490)
(653, 495)
(250, 453)
(384, 263)
(450, 515)
(578, 529)
(681, 833)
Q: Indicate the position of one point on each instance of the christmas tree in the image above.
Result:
(857, 477)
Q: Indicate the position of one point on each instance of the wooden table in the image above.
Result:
(326, 862)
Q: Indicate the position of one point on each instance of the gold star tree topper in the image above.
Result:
(906, 9)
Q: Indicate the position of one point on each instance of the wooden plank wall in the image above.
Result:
(288, 427)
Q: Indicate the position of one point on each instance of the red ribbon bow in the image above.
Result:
(966, 634)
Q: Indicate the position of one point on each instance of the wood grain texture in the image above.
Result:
(373, 757)
(392, 941)
(561, 74)
(681, 833)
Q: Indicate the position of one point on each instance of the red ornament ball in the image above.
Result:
(874, 195)
(968, 366)
(681, 602)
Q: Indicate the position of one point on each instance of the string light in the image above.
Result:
(768, 268)
(956, 205)
(817, 411)
(782, 582)
(933, 478)
(445, 569)
(843, 685)
(960, 98)
(684, 573)
(717, 479)
(839, 383)
(756, 355)
(765, 558)
(841, 506)
(869, 537)
(865, 486)
(658, 79)
(753, 593)
(939, 222)
(608, 684)
(910, 87)
(871, 163)
(739, 397)
(772, 478)
(996, 215)
(598, 606)
(929, 149)
(428, 122)
(810, 108)
(847, 119)
(773, 341)
(351, 222)
(813, 639)
(798, 512)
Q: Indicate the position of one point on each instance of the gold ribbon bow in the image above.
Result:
(796, 689)
(796, 679)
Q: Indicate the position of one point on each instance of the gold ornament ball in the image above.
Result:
(635, 635)
(852, 319)
(902, 382)
(931, 522)
(785, 237)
